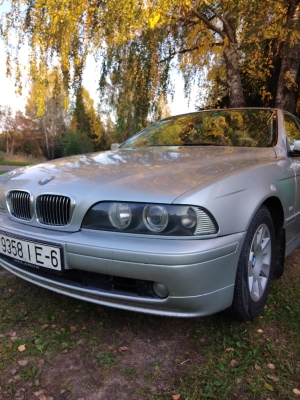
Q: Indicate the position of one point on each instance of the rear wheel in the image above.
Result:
(255, 267)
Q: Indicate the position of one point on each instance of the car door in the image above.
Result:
(292, 131)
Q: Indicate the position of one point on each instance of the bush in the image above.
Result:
(72, 143)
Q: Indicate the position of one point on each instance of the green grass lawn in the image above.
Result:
(17, 163)
(59, 346)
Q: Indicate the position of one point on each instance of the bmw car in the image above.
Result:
(193, 215)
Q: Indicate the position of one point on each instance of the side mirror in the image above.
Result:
(295, 149)
(114, 146)
(297, 145)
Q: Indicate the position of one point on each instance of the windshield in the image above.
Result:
(242, 128)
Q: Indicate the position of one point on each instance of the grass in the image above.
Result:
(147, 357)
(18, 160)
(18, 163)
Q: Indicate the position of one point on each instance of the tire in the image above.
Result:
(255, 267)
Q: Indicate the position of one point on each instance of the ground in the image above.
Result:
(55, 347)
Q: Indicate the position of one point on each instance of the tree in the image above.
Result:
(46, 107)
(18, 134)
(7, 126)
(140, 43)
(86, 120)
(287, 89)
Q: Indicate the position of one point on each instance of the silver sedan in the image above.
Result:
(193, 215)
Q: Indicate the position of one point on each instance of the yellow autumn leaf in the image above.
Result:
(154, 20)
(296, 391)
(269, 387)
(22, 347)
(259, 330)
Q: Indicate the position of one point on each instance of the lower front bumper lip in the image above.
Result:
(191, 306)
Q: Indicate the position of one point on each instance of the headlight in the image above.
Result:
(119, 215)
(171, 220)
(155, 217)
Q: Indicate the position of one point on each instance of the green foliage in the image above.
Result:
(85, 120)
(72, 143)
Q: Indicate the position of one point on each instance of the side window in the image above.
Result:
(292, 130)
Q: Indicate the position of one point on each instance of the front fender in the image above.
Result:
(234, 198)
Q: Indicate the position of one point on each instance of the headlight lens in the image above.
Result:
(189, 220)
(153, 219)
(119, 215)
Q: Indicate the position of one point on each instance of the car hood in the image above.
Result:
(145, 174)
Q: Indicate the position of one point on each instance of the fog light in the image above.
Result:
(160, 290)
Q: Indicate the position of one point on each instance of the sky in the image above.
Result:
(90, 81)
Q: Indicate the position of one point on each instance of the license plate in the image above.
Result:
(35, 254)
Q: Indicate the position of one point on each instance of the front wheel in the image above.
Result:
(255, 267)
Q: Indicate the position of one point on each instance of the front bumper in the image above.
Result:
(199, 273)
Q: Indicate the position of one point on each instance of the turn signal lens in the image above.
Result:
(119, 215)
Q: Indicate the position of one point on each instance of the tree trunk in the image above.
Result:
(46, 139)
(235, 89)
(7, 142)
(286, 96)
(12, 145)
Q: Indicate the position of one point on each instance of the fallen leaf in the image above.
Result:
(73, 328)
(14, 371)
(259, 330)
(45, 326)
(65, 351)
(296, 391)
(39, 393)
(13, 334)
(229, 349)
(53, 326)
(22, 347)
(122, 348)
(11, 290)
(257, 367)
(41, 363)
(234, 363)
(269, 387)
(83, 328)
(22, 363)
(273, 378)
(271, 366)
(176, 397)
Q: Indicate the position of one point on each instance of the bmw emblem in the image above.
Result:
(46, 180)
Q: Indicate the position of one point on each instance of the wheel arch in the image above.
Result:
(273, 204)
